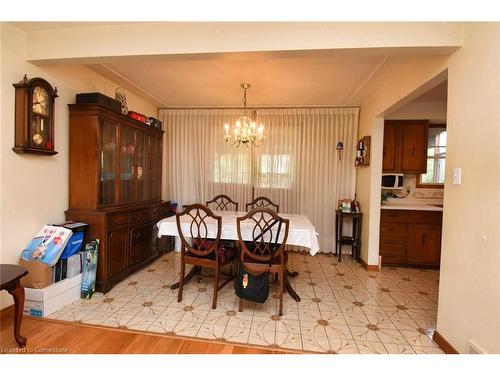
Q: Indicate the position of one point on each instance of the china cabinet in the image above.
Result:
(115, 185)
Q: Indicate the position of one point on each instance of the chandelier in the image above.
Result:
(245, 130)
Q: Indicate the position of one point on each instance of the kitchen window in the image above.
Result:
(436, 158)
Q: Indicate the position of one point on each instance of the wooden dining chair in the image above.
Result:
(203, 251)
(258, 233)
(262, 202)
(223, 203)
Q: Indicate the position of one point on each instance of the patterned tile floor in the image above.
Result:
(344, 308)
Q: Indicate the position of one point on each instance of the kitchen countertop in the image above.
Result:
(413, 204)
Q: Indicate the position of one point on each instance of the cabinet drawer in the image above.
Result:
(399, 243)
(117, 220)
(393, 258)
(392, 230)
(425, 217)
(142, 216)
(397, 216)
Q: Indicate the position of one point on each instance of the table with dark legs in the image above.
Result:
(301, 233)
(354, 240)
(10, 280)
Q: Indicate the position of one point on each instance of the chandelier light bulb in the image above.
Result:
(245, 128)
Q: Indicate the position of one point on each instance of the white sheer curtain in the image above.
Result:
(296, 166)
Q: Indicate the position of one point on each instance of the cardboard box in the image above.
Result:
(39, 274)
(43, 302)
(47, 245)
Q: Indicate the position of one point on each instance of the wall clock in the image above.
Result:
(34, 117)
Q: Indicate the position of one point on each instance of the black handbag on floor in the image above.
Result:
(254, 287)
(251, 287)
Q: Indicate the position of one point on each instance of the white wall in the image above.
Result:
(34, 189)
(469, 290)
(469, 287)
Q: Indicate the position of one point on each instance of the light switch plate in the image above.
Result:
(457, 176)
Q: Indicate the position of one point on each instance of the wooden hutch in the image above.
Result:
(115, 186)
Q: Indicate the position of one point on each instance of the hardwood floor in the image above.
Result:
(53, 337)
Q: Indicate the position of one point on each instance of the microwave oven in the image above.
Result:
(392, 181)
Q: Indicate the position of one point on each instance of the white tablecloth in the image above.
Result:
(301, 232)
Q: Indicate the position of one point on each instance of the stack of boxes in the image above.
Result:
(47, 287)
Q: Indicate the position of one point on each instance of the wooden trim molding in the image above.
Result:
(368, 267)
(443, 343)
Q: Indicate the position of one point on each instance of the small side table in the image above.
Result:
(10, 276)
(355, 240)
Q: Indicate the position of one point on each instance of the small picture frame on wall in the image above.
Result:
(363, 152)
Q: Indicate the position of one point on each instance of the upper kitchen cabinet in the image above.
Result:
(390, 162)
(405, 146)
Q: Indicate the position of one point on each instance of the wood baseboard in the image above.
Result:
(9, 310)
(368, 267)
(443, 343)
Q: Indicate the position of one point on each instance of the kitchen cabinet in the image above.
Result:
(390, 150)
(405, 146)
(115, 187)
(424, 244)
(409, 237)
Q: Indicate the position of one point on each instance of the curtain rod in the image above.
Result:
(291, 107)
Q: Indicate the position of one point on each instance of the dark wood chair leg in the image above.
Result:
(240, 306)
(216, 288)
(181, 281)
(18, 293)
(281, 285)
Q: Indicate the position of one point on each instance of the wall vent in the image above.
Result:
(474, 348)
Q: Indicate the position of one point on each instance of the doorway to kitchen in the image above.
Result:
(412, 193)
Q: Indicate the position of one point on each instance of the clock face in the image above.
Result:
(41, 101)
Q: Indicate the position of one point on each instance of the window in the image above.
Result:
(436, 157)
(275, 171)
(232, 168)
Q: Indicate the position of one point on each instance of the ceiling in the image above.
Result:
(40, 26)
(285, 79)
(436, 94)
(276, 79)
(340, 77)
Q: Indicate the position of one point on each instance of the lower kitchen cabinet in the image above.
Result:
(410, 237)
(424, 244)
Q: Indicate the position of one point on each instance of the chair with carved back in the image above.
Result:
(262, 234)
(223, 203)
(205, 249)
(262, 202)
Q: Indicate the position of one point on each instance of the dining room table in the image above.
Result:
(301, 232)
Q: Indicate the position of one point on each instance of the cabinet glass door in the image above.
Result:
(128, 151)
(107, 176)
(142, 166)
